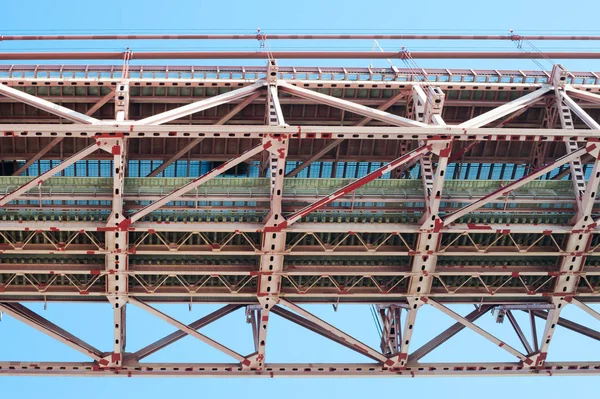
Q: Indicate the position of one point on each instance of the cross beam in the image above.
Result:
(201, 105)
(571, 325)
(179, 334)
(309, 325)
(176, 194)
(188, 330)
(349, 106)
(507, 108)
(47, 106)
(36, 321)
(368, 351)
(478, 330)
(193, 143)
(45, 176)
(445, 335)
(393, 100)
(516, 184)
(404, 159)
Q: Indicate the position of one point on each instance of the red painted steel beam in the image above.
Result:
(36, 181)
(36, 321)
(367, 350)
(179, 334)
(176, 194)
(216, 55)
(357, 184)
(186, 329)
(478, 330)
(502, 191)
(309, 325)
(568, 324)
(303, 370)
(304, 36)
(444, 336)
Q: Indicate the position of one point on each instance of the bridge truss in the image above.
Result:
(478, 187)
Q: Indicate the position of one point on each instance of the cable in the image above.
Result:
(518, 40)
(277, 30)
(376, 320)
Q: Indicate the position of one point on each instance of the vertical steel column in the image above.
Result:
(122, 101)
(116, 264)
(431, 224)
(571, 264)
(429, 110)
(117, 235)
(253, 317)
(273, 239)
(559, 80)
(428, 243)
(391, 334)
(426, 160)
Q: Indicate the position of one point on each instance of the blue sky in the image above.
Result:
(287, 342)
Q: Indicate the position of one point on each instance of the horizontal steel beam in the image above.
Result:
(300, 227)
(311, 370)
(299, 132)
(291, 269)
(226, 55)
(293, 36)
(300, 294)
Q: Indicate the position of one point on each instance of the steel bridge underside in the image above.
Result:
(271, 188)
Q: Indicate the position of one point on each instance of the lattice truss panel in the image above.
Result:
(430, 226)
